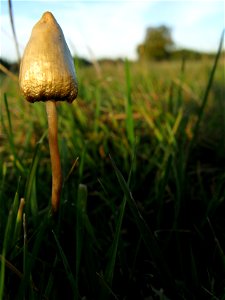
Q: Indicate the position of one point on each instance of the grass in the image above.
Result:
(142, 206)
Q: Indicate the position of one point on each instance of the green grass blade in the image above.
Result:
(4, 251)
(106, 287)
(31, 202)
(97, 109)
(51, 280)
(10, 135)
(194, 271)
(29, 260)
(207, 90)
(81, 166)
(81, 209)
(66, 266)
(25, 247)
(15, 208)
(8, 241)
(147, 236)
(2, 202)
(113, 253)
(161, 189)
(171, 105)
(157, 132)
(18, 225)
(219, 247)
(8, 115)
(109, 272)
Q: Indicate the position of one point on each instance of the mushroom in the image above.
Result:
(47, 74)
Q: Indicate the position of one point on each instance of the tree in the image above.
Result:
(157, 45)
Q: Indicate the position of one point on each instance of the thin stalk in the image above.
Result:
(54, 154)
(13, 29)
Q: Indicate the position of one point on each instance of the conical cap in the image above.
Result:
(47, 69)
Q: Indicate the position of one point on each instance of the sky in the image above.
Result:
(114, 28)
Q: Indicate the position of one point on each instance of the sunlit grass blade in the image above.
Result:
(179, 94)
(18, 225)
(129, 114)
(147, 236)
(149, 120)
(69, 273)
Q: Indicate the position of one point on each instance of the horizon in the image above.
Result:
(99, 59)
(114, 29)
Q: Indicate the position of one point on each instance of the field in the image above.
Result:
(143, 199)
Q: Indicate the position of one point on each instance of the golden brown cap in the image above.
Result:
(47, 69)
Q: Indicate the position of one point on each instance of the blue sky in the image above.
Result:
(114, 28)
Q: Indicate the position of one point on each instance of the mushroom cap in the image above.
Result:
(47, 69)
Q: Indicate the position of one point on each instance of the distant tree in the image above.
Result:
(157, 45)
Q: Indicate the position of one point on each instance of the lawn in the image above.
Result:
(143, 198)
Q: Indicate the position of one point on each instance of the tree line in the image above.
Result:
(159, 45)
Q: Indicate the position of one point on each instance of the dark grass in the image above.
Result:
(142, 206)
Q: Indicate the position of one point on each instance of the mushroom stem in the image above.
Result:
(54, 154)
